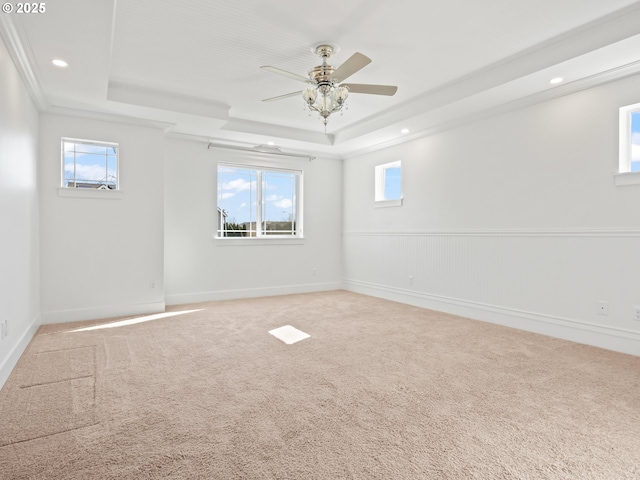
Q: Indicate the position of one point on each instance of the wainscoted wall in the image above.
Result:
(514, 219)
(547, 282)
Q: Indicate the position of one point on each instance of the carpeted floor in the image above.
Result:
(379, 390)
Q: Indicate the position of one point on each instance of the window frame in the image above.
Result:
(99, 143)
(380, 173)
(624, 175)
(260, 237)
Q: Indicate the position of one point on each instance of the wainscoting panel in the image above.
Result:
(555, 278)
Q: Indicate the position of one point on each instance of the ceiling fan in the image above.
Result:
(325, 94)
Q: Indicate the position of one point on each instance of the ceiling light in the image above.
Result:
(59, 63)
(404, 131)
(325, 98)
(325, 94)
(555, 81)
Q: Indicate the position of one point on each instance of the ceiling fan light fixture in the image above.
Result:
(324, 93)
(325, 98)
(342, 93)
(309, 95)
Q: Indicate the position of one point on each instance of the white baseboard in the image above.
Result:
(199, 297)
(110, 311)
(619, 340)
(8, 363)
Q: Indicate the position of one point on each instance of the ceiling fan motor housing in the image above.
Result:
(321, 74)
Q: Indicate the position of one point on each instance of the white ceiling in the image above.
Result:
(193, 66)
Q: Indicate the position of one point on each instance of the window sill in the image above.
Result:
(627, 178)
(388, 203)
(236, 241)
(90, 193)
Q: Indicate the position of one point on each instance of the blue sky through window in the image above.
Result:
(393, 183)
(635, 142)
(90, 163)
(237, 194)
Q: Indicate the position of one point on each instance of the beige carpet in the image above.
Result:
(380, 390)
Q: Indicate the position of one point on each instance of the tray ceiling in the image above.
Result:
(194, 67)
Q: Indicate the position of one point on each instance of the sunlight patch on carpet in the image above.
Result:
(133, 321)
(289, 334)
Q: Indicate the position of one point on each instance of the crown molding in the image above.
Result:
(166, 127)
(163, 100)
(214, 142)
(576, 86)
(19, 49)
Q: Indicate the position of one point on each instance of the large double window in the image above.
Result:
(258, 202)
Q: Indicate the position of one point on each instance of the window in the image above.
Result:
(629, 161)
(388, 187)
(258, 202)
(89, 165)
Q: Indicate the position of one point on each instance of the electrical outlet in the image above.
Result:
(410, 279)
(636, 313)
(152, 284)
(5, 328)
(314, 271)
(603, 308)
(2, 330)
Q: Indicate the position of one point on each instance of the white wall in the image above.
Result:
(99, 256)
(197, 268)
(19, 287)
(514, 219)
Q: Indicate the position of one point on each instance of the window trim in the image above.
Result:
(91, 195)
(624, 175)
(297, 238)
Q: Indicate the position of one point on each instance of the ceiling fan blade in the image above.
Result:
(279, 71)
(371, 89)
(354, 63)
(280, 97)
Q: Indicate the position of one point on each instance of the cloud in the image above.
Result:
(87, 172)
(237, 185)
(243, 204)
(224, 196)
(284, 203)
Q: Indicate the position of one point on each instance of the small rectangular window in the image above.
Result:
(258, 202)
(634, 154)
(89, 165)
(388, 186)
(629, 139)
(629, 156)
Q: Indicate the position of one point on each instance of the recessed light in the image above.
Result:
(271, 143)
(555, 81)
(59, 63)
(404, 130)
